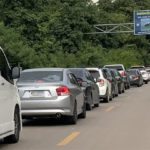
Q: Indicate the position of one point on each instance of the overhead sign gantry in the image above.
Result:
(140, 25)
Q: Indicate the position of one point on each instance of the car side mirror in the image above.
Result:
(16, 72)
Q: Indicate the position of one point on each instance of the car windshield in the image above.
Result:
(115, 67)
(95, 74)
(41, 76)
(77, 73)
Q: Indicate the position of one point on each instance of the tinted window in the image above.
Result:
(5, 71)
(115, 67)
(73, 79)
(140, 68)
(89, 76)
(41, 76)
(94, 73)
(132, 72)
(77, 73)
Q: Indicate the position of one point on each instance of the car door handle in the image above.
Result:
(2, 83)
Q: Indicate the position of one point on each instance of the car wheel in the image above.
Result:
(123, 90)
(89, 104)
(73, 119)
(83, 114)
(138, 85)
(107, 98)
(96, 105)
(146, 82)
(14, 138)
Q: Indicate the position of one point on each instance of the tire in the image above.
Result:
(146, 82)
(89, 104)
(129, 86)
(138, 85)
(123, 90)
(73, 119)
(83, 114)
(14, 138)
(96, 105)
(107, 98)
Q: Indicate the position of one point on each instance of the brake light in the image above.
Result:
(101, 82)
(135, 78)
(62, 90)
(123, 73)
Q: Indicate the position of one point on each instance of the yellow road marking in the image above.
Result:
(68, 139)
(109, 108)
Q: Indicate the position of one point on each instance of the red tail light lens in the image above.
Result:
(135, 78)
(101, 82)
(123, 73)
(62, 90)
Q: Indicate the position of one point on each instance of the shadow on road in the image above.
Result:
(45, 122)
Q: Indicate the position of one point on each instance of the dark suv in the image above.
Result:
(89, 86)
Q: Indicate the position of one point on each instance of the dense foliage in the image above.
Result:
(43, 33)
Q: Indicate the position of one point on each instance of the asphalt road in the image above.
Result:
(123, 124)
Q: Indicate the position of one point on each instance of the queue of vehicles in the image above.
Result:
(58, 92)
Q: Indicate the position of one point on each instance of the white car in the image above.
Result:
(10, 117)
(148, 70)
(145, 76)
(104, 85)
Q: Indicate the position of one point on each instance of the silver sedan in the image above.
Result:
(51, 92)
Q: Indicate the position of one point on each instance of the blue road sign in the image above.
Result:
(142, 22)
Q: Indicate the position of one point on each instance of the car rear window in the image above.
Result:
(94, 73)
(132, 72)
(140, 68)
(41, 76)
(119, 68)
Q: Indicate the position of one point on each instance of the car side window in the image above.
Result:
(104, 74)
(89, 76)
(73, 79)
(5, 70)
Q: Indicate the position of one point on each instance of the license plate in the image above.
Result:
(37, 93)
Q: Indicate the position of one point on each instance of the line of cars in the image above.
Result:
(57, 92)
(69, 92)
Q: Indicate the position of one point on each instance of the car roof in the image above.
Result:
(138, 66)
(44, 69)
(93, 69)
(77, 68)
(114, 65)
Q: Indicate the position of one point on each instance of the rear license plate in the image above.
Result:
(37, 93)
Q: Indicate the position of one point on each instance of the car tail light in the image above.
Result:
(62, 90)
(135, 78)
(123, 73)
(101, 82)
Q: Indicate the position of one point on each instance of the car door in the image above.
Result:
(77, 92)
(95, 90)
(6, 96)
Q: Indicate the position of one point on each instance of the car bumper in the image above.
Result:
(102, 91)
(63, 106)
(134, 82)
